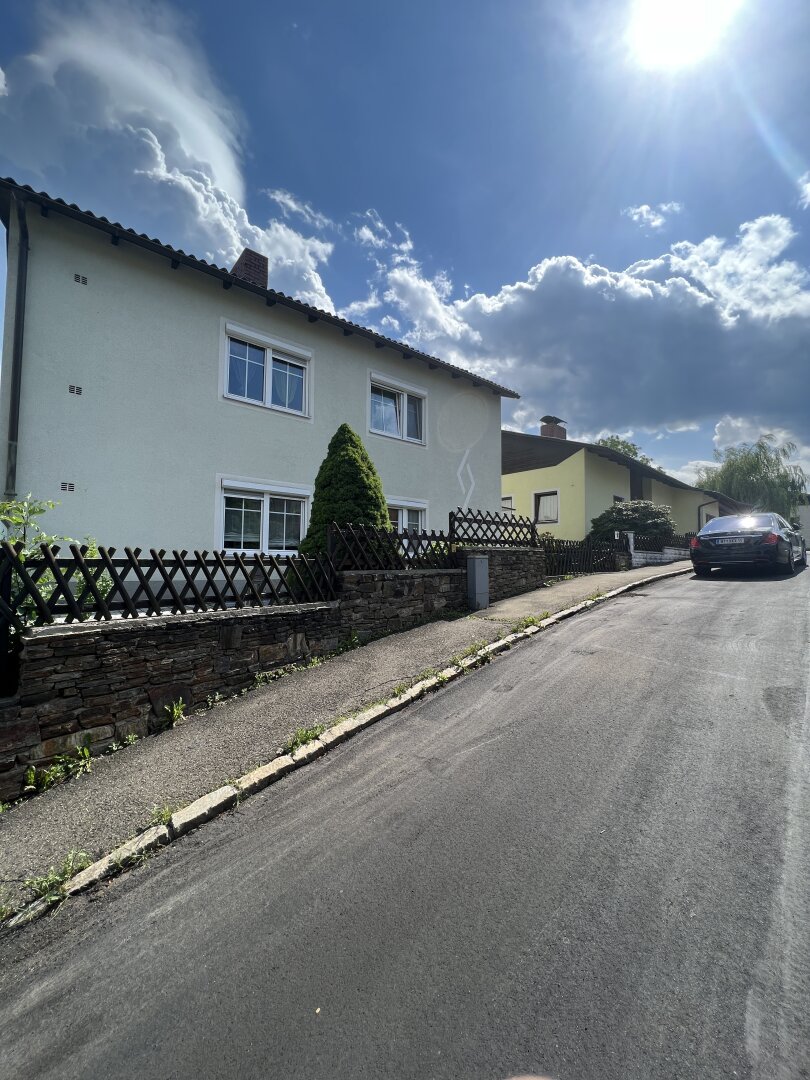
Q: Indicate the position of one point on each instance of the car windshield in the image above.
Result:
(735, 524)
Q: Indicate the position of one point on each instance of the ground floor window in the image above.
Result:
(507, 504)
(546, 507)
(406, 518)
(263, 521)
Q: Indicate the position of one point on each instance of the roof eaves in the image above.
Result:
(118, 232)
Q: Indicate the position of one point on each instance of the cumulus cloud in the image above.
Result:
(649, 217)
(804, 190)
(663, 344)
(291, 206)
(3, 83)
(118, 110)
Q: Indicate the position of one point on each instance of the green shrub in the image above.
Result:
(635, 515)
(347, 489)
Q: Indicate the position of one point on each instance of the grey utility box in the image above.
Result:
(478, 582)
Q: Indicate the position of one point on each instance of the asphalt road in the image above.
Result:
(589, 860)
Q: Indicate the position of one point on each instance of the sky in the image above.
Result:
(602, 204)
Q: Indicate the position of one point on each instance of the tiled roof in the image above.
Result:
(178, 256)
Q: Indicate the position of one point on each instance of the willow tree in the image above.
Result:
(759, 474)
(348, 489)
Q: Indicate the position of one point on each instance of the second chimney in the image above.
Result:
(252, 267)
(551, 427)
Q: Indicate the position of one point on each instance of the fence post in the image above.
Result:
(451, 528)
(631, 542)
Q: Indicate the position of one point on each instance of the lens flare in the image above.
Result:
(671, 34)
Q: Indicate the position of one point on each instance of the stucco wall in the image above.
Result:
(603, 480)
(684, 505)
(568, 478)
(151, 435)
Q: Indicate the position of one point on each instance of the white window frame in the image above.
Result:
(282, 349)
(536, 507)
(403, 505)
(266, 489)
(511, 507)
(396, 386)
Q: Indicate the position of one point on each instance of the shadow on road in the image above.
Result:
(746, 573)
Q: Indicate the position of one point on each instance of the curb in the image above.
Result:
(210, 806)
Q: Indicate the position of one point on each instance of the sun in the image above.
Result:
(671, 34)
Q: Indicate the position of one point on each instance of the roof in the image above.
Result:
(521, 452)
(178, 257)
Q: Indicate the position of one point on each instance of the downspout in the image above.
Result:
(17, 348)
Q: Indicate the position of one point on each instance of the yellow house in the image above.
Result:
(563, 484)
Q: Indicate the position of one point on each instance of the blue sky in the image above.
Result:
(522, 188)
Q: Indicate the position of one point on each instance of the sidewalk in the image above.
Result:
(105, 807)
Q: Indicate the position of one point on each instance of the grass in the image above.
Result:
(61, 768)
(7, 908)
(303, 735)
(51, 886)
(456, 658)
(529, 620)
(161, 815)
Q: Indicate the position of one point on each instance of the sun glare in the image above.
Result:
(676, 33)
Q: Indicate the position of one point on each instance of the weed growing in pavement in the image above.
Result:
(7, 908)
(61, 768)
(529, 620)
(175, 713)
(594, 595)
(469, 651)
(51, 886)
(162, 815)
(214, 699)
(303, 735)
(131, 739)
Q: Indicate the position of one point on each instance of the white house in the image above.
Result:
(166, 402)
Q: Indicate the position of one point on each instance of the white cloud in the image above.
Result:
(688, 473)
(804, 190)
(3, 83)
(290, 205)
(359, 310)
(649, 217)
(118, 110)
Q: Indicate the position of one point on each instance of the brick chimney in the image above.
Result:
(252, 267)
(551, 427)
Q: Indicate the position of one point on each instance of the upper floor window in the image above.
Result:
(262, 375)
(396, 411)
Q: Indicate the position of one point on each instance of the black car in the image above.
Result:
(748, 540)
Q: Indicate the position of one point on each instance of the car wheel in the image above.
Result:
(702, 571)
(791, 563)
(803, 559)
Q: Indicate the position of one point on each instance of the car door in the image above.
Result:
(793, 536)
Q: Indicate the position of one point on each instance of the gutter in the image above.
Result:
(17, 348)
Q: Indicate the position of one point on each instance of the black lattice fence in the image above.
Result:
(658, 543)
(363, 547)
(480, 528)
(49, 586)
(564, 557)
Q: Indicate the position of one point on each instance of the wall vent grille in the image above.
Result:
(80, 279)
(74, 390)
(67, 485)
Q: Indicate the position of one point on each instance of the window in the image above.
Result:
(263, 521)
(406, 518)
(546, 506)
(397, 412)
(507, 504)
(264, 376)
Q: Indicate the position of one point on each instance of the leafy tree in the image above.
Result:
(21, 520)
(624, 446)
(347, 489)
(759, 474)
(635, 515)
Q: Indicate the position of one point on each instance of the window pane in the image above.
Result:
(243, 522)
(237, 376)
(288, 385)
(284, 526)
(546, 506)
(414, 520)
(414, 418)
(385, 411)
(238, 348)
(393, 517)
(255, 381)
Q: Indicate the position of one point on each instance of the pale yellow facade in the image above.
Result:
(588, 484)
(567, 479)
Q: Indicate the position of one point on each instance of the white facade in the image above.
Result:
(145, 446)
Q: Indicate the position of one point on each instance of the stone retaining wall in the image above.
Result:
(95, 684)
(511, 570)
(658, 558)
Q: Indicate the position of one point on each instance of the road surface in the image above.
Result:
(589, 860)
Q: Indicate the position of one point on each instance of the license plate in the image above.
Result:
(731, 540)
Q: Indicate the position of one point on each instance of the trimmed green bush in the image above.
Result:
(347, 489)
(635, 515)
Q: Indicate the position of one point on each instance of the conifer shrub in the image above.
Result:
(347, 489)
